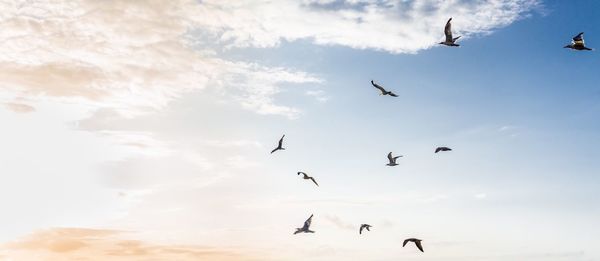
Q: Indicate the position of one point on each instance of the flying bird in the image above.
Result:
(438, 149)
(416, 241)
(578, 43)
(364, 226)
(383, 91)
(392, 159)
(280, 145)
(448, 32)
(304, 176)
(305, 228)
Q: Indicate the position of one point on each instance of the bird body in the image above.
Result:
(392, 160)
(279, 145)
(305, 176)
(450, 41)
(383, 91)
(364, 226)
(306, 227)
(416, 241)
(438, 149)
(578, 43)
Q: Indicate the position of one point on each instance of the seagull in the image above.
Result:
(280, 145)
(367, 226)
(305, 228)
(417, 242)
(308, 177)
(383, 91)
(438, 149)
(578, 43)
(392, 159)
(448, 32)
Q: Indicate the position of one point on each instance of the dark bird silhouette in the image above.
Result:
(416, 241)
(438, 149)
(392, 159)
(383, 91)
(364, 226)
(304, 176)
(578, 43)
(448, 32)
(305, 228)
(280, 145)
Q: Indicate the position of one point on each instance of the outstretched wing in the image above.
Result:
(368, 227)
(448, 30)
(307, 223)
(405, 242)
(314, 181)
(418, 243)
(578, 40)
(393, 94)
(378, 87)
(360, 230)
(281, 141)
(390, 157)
(438, 149)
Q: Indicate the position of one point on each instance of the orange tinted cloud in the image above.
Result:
(97, 244)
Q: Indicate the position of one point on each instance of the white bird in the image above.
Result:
(383, 91)
(448, 32)
(578, 43)
(305, 228)
(392, 159)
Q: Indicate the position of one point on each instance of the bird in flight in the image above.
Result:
(279, 145)
(364, 226)
(578, 43)
(305, 228)
(448, 32)
(438, 149)
(392, 159)
(305, 176)
(383, 91)
(416, 241)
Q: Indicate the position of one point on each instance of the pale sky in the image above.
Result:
(141, 130)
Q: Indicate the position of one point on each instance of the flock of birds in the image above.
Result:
(576, 44)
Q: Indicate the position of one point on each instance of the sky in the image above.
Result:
(141, 130)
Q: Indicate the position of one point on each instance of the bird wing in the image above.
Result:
(393, 94)
(314, 181)
(360, 230)
(438, 149)
(405, 242)
(578, 40)
(418, 243)
(307, 223)
(367, 227)
(274, 150)
(390, 157)
(281, 141)
(448, 30)
(397, 157)
(378, 87)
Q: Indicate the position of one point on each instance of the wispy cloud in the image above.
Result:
(78, 51)
(391, 25)
(99, 244)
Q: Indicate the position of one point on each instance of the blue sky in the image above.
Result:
(159, 124)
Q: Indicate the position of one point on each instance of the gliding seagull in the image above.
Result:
(448, 32)
(305, 228)
(383, 91)
(416, 241)
(578, 43)
(280, 145)
(305, 176)
(392, 159)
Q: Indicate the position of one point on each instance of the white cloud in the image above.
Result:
(391, 25)
(131, 56)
